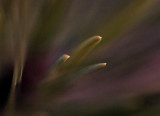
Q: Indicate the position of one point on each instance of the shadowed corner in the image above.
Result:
(5, 84)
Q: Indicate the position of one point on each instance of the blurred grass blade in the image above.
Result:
(126, 19)
(18, 43)
(49, 19)
(10, 106)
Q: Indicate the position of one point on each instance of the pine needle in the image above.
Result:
(86, 71)
(53, 71)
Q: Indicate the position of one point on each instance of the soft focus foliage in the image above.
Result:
(36, 79)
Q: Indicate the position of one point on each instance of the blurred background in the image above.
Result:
(37, 32)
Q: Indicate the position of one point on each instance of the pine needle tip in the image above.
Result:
(103, 64)
(99, 38)
(66, 57)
